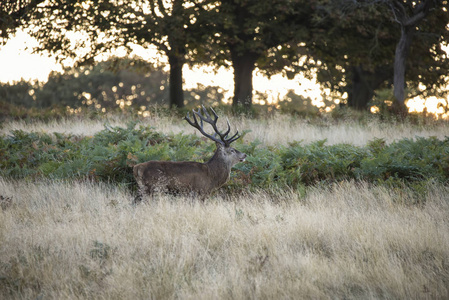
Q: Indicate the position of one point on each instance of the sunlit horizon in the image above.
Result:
(18, 62)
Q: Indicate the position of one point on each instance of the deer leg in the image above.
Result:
(143, 193)
(138, 197)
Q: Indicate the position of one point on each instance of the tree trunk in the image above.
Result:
(244, 66)
(400, 59)
(408, 19)
(175, 81)
(361, 92)
(363, 85)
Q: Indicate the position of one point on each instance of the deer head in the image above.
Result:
(228, 154)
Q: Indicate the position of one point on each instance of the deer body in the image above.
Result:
(191, 177)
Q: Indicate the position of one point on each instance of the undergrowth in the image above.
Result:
(110, 154)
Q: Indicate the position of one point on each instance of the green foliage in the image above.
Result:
(407, 159)
(111, 153)
(262, 168)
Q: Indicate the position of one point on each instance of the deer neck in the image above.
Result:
(219, 168)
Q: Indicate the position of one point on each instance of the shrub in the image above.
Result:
(111, 153)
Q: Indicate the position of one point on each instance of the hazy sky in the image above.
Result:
(17, 62)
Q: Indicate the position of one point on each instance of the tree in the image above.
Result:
(351, 48)
(13, 14)
(408, 14)
(106, 25)
(254, 33)
(355, 42)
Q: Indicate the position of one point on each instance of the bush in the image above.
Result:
(111, 153)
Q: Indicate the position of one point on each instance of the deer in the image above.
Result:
(188, 177)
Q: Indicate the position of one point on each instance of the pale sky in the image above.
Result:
(17, 62)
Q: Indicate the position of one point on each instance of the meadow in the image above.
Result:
(278, 129)
(333, 238)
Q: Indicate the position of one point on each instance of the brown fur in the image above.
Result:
(187, 177)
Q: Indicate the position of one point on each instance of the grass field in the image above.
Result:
(275, 130)
(348, 240)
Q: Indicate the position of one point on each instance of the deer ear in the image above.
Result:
(219, 145)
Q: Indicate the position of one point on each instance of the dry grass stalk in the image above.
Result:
(276, 130)
(82, 240)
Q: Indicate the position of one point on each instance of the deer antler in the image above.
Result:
(206, 117)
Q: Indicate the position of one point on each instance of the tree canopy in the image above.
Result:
(260, 34)
(13, 14)
(353, 46)
(104, 25)
(356, 41)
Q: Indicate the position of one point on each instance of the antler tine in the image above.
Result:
(187, 118)
(195, 124)
(197, 113)
(213, 111)
(235, 137)
(206, 113)
(206, 117)
(229, 128)
(222, 135)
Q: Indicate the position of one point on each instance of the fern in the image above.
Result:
(110, 154)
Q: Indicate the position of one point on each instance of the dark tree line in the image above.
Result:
(115, 84)
(356, 47)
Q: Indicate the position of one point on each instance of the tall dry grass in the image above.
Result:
(275, 130)
(354, 241)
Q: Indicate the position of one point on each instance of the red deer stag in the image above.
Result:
(192, 177)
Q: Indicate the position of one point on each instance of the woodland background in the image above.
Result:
(367, 53)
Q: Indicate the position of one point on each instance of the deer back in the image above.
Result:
(201, 178)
